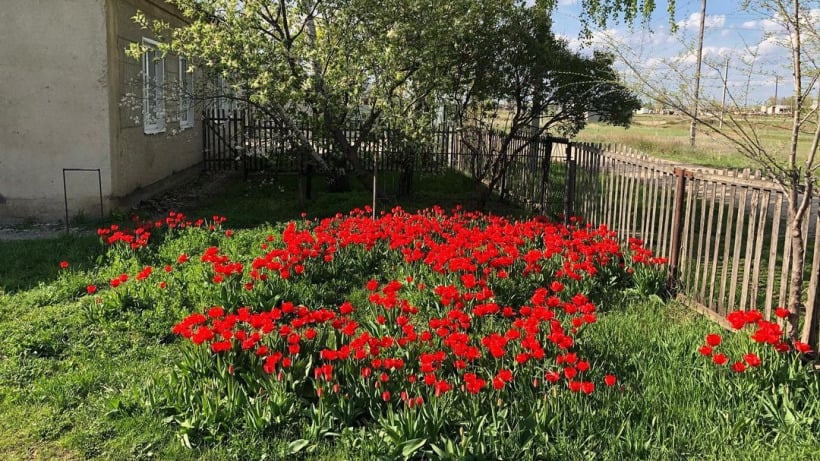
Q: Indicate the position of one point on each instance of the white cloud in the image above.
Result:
(693, 22)
(567, 2)
(764, 25)
(717, 51)
(771, 45)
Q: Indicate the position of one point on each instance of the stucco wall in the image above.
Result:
(63, 76)
(140, 159)
(54, 104)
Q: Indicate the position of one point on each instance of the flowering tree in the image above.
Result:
(341, 65)
(359, 65)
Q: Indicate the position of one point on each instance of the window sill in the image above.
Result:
(150, 131)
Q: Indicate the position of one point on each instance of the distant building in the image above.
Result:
(644, 111)
(779, 109)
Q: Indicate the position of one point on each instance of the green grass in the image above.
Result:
(27, 263)
(79, 386)
(667, 137)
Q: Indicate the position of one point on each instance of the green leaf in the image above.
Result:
(412, 446)
(297, 445)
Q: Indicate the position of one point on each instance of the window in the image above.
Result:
(224, 100)
(186, 87)
(153, 78)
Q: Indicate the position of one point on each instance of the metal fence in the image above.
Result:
(537, 175)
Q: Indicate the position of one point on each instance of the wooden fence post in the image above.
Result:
(677, 229)
(811, 326)
(570, 196)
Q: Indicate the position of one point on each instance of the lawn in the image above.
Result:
(481, 336)
(667, 137)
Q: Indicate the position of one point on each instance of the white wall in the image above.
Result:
(54, 107)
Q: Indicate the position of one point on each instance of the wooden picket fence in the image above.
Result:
(724, 231)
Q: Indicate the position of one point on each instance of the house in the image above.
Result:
(778, 109)
(75, 106)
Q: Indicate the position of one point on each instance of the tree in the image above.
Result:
(796, 176)
(523, 82)
(341, 65)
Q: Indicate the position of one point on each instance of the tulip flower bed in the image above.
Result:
(429, 335)
(418, 324)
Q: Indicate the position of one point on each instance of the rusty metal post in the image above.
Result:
(677, 229)
(545, 173)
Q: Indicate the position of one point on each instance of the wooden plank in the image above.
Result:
(687, 237)
(719, 230)
(611, 203)
(671, 181)
(738, 237)
(621, 213)
(729, 177)
(706, 311)
(704, 239)
(608, 206)
(635, 199)
(603, 177)
(624, 187)
(774, 242)
(652, 224)
(663, 249)
(631, 201)
(646, 208)
(727, 246)
(759, 240)
(811, 300)
(749, 242)
(627, 202)
(642, 204)
(805, 228)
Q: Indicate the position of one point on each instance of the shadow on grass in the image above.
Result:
(268, 199)
(26, 263)
(246, 203)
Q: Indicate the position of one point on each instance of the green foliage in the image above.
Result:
(522, 66)
(520, 82)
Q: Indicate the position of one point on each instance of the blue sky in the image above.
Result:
(749, 40)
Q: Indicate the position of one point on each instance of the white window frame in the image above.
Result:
(186, 103)
(153, 93)
(224, 99)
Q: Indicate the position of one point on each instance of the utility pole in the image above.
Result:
(725, 84)
(776, 84)
(697, 73)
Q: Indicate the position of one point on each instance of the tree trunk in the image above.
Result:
(797, 208)
(796, 281)
(483, 194)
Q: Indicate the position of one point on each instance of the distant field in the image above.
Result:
(667, 137)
